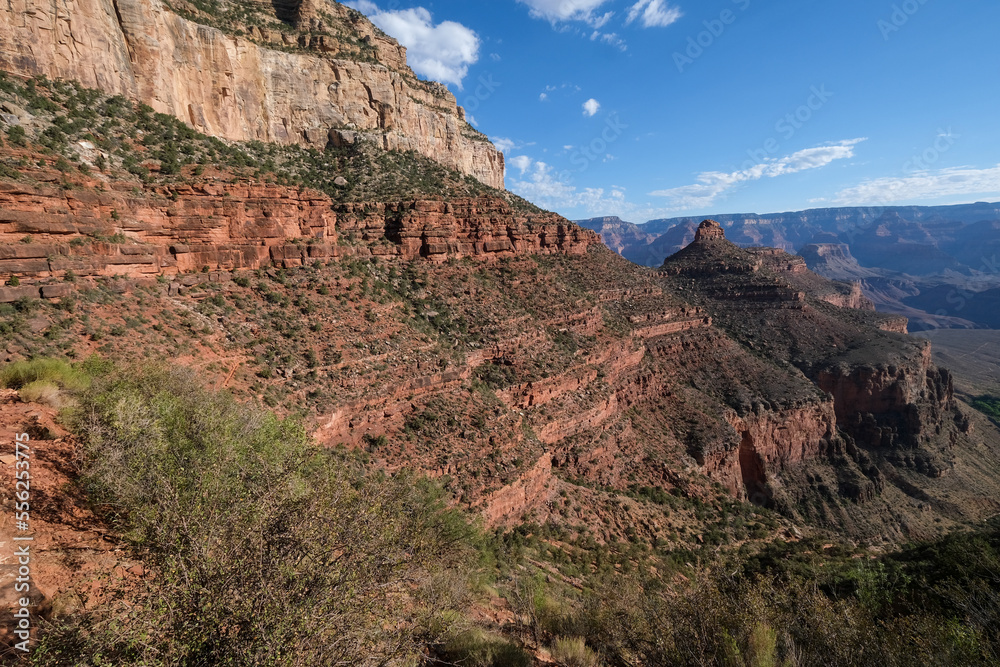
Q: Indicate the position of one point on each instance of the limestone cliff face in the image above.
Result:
(237, 88)
(75, 39)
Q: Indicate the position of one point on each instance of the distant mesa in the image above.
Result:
(709, 230)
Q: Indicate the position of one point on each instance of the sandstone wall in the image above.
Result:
(899, 407)
(233, 88)
(225, 226)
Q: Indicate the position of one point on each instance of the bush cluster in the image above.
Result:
(264, 550)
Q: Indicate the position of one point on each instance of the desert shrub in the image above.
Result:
(44, 371)
(496, 375)
(16, 135)
(719, 620)
(573, 652)
(266, 551)
(477, 648)
(42, 391)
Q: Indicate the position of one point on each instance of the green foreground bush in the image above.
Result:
(263, 550)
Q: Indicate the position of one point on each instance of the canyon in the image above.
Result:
(334, 79)
(491, 345)
(934, 265)
(248, 254)
(643, 378)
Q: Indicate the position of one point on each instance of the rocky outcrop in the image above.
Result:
(894, 407)
(235, 88)
(709, 230)
(508, 505)
(459, 228)
(884, 396)
(226, 226)
(855, 299)
(770, 441)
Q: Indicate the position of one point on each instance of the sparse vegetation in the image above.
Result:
(260, 548)
(988, 405)
(254, 535)
(157, 148)
(55, 372)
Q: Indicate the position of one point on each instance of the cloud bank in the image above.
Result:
(711, 185)
(442, 52)
(924, 186)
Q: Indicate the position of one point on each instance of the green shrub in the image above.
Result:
(16, 135)
(573, 652)
(477, 648)
(55, 372)
(726, 620)
(266, 551)
(988, 405)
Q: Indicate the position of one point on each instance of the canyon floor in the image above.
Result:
(973, 355)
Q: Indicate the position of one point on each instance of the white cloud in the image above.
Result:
(924, 186)
(522, 163)
(591, 107)
(713, 184)
(507, 146)
(562, 12)
(543, 97)
(555, 11)
(611, 38)
(542, 186)
(653, 13)
(364, 6)
(442, 52)
(503, 144)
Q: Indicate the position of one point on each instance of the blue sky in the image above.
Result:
(655, 108)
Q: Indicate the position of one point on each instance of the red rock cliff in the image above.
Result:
(225, 226)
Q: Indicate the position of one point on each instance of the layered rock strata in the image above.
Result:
(883, 392)
(220, 227)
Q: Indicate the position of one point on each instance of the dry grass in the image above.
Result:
(45, 392)
(573, 652)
